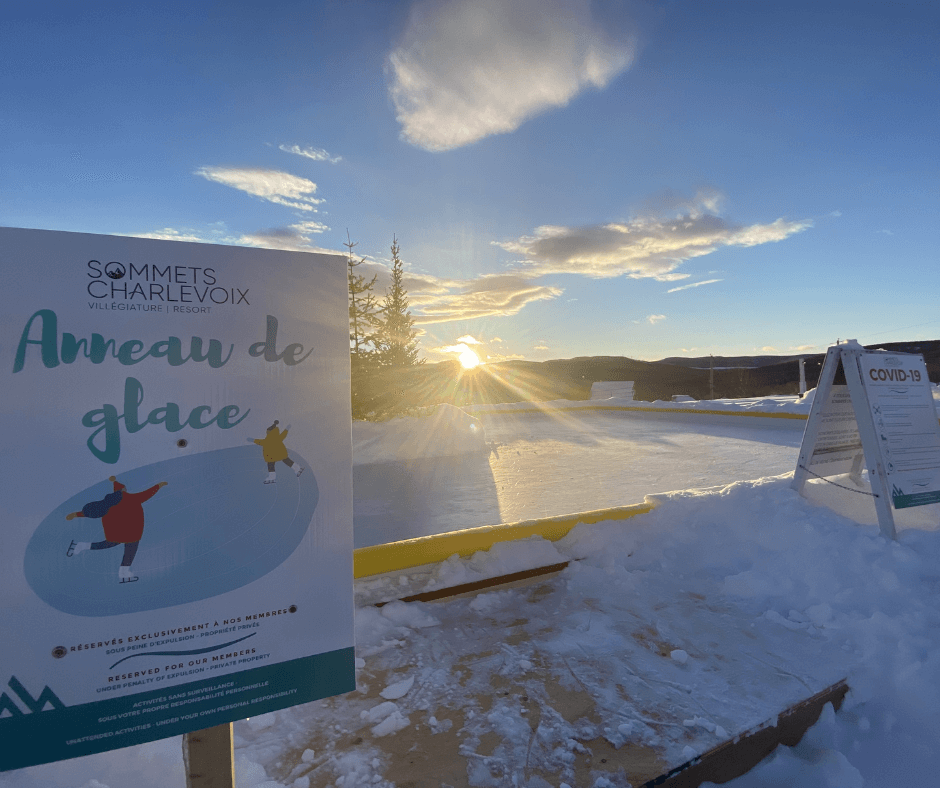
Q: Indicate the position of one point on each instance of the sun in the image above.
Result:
(468, 359)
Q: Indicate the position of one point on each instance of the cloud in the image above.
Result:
(540, 347)
(694, 284)
(459, 348)
(643, 247)
(317, 154)
(293, 238)
(189, 235)
(275, 186)
(769, 349)
(436, 300)
(802, 348)
(469, 340)
(467, 69)
(654, 319)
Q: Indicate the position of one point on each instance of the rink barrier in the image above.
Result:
(408, 553)
(709, 411)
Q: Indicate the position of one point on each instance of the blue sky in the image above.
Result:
(564, 178)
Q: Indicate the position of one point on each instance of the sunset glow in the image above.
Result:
(468, 359)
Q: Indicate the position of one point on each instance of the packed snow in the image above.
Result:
(669, 604)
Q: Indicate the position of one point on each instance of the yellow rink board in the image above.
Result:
(391, 557)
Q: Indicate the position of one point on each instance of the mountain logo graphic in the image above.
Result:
(33, 705)
(115, 270)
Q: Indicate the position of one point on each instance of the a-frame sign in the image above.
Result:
(884, 415)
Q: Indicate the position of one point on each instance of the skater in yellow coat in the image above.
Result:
(272, 445)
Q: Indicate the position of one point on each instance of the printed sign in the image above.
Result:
(838, 442)
(902, 408)
(176, 488)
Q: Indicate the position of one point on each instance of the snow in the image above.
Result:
(682, 597)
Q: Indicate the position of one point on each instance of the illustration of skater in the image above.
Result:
(274, 450)
(122, 516)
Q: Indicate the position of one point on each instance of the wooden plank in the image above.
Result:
(738, 756)
(209, 758)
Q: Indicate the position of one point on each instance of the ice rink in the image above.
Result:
(563, 461)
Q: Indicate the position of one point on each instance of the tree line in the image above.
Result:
(382, 336)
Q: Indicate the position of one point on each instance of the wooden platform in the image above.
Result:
(505, 693)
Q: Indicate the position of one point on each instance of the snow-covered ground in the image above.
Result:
(673, 595)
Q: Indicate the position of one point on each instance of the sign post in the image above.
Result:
(884, 415)
(209, 758)
(177, 492)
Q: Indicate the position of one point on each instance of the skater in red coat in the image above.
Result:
(122, 515)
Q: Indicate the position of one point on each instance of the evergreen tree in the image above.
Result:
(364, 319)
(397, 336)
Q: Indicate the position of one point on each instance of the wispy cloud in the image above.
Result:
(275, 186)
(654, 319)
(317, 154)
(213, 236)
(803, 348)
(693, 284)
(643, 247)
(540, 347)
(436, 300)
(459, 348)
(469, 340)
(467, 69)
(293, 238)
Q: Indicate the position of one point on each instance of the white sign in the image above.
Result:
(905, 419)
(887, 410)
(838, 443)
(176, 489)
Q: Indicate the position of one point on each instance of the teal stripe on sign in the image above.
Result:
(112, 723)
(916, 499)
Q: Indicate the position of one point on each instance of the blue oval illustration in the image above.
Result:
(213, 528)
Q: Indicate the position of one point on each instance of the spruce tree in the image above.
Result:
(363, 315)
(397, 336)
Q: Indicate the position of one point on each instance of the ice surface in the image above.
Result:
(444, 431)
(551, 463)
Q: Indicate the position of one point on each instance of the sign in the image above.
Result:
(838, 444)
(902, 406)
(886, 414)
(176, 488)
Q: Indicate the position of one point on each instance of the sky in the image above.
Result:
(644, 179)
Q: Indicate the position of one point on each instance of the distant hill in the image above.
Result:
(926, 347)
(727, 362)
(543, 381)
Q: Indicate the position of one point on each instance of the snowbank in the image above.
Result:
(445, 431)
(709, 572)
